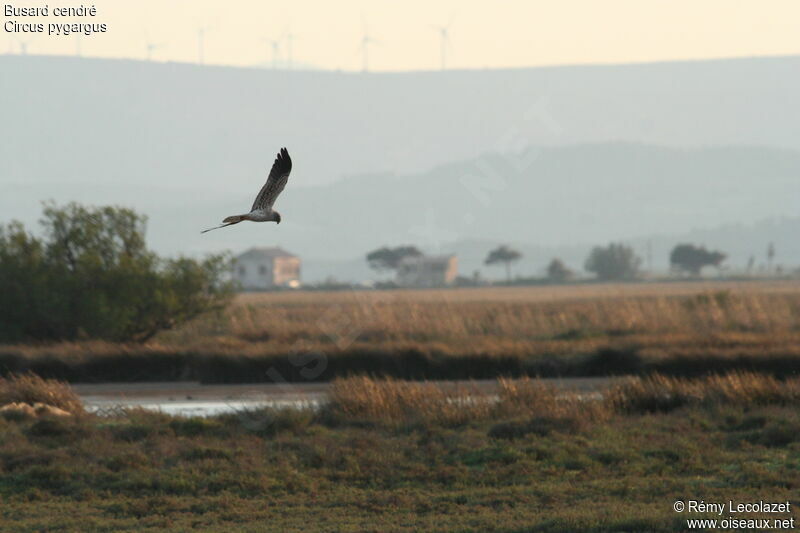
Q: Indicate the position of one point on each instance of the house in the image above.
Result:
(266, 268)
(427, 271)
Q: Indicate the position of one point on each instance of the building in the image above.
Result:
(266, 268)
(427, 271)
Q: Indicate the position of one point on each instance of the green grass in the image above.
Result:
(532, 462)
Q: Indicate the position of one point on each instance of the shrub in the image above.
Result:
(539, 425)
(614, 262)
(193, 427)
(54, 427)
(558, 272)
(692, 259)
(133, 432)
(31, 389)
(92, 276)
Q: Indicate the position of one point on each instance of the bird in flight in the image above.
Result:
(262, 207)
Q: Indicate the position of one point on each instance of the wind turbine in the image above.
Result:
(201, 42)
(366, 41)
(275, 45)
(444, 37)
(151, 47)
(290, 37)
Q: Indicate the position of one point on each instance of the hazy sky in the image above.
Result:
(504, 33)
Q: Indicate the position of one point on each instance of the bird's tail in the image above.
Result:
(229, 221)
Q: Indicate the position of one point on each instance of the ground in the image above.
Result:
(141, 472)
(682, 328)
(713, 416)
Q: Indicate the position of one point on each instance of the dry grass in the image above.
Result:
(402, 403)
(31, 389)
(393, 402)
(535, 398)
(138, 471)
(509, 320)
(743, 325)
(664, 393)
(500, 319)
(533, 403)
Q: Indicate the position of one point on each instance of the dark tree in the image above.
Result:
(503, 254)
(389, 258)
(92, 276)
(770, 256)
(691, 259)
(613, 262)
(558, 272)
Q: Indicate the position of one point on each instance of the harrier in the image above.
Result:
(262, 208)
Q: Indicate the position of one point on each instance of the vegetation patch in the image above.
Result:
(398, 455)
(92, 277)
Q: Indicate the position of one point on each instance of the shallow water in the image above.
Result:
(195, 399)
(199, 407)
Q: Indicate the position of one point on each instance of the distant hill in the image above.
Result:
(554, 159)
(552, 201)
(83, 120)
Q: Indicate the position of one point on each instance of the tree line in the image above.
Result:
(616, 261)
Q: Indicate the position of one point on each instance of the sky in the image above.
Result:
(406, 36)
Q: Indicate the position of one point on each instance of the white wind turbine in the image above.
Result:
(366, 42)
(290, 37)
(201, 43)
(23, 47)
(151, 47)
(444, 40)
(275, 46)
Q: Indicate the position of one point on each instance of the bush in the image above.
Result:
(91, 276)
(31, 389)
(539, 426)
(557, 271)
(615, 262)
(692, 259)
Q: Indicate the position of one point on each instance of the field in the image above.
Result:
(400, 456)
(596, 329)
(709, 413)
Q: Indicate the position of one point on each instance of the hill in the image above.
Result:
(123, 121)
(556, 159)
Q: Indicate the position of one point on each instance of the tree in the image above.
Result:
(91, 276)
(614, 262)
(770, 256)
(558, 272)
(751, 263)
(389, 258)
(503, 254)
(692, 259)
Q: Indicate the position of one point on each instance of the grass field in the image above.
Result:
(674, 328)
(401, 456)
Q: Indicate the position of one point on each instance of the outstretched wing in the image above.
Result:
(276, 181)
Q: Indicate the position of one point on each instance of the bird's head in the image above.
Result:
(277, 217)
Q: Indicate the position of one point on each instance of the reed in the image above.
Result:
(392, 402)
(664, 393)
(31, 389)
(678, 329)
